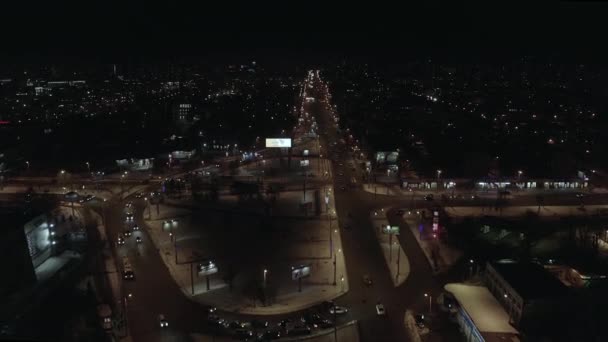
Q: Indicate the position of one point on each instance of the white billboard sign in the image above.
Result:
(278, 142)
(300, 272)
(207, 268)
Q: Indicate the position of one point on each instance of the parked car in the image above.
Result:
(234, 325)
(257, 324)
(299, 330)
(338, 310)
(284, 323)
(324, 324)
(243, 334)
(269, 335)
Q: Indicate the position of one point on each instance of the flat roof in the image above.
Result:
(529, 280)
(485, 311)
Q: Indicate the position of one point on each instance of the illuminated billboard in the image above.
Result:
(387, 157)
(278, 142)
(300, 272)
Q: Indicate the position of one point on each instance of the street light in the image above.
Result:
(88, 166)
(28, 165)
(430, 301)
(438, 174)
(519, 173)
(265, 272)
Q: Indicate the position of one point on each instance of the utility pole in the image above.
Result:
(398, 257)
(390, 245)
(335, 261)
(192, 276)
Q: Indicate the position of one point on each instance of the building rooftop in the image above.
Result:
(531, 281)
(484, 310)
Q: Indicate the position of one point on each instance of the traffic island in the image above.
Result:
(387, 237)
(295, 263)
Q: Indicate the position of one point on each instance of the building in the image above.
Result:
(15, 260)
(524, 289)
(182, 112)
(479, 315)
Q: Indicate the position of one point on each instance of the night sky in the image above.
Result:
(113, 28)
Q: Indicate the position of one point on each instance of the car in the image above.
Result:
(135, 228)
(127, 233)
(139, 195)
(269, 335)
(380, 309)
(299, 330)
(419, 319)
(86, 198)
(284, 323)
(243, 334)
(324, 324)
(162, 321)
(338, 310)
(138, 239)
(367, 280)
(129, 217)
(234, 325)
(311, 319)
(428, 197)
(580, 195)
(257, 324)
(120, 240)
(400, 212)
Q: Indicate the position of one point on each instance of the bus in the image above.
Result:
(127, 270)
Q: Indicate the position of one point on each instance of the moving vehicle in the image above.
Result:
(138, 239)
(380, 309)
(127, 233)
(129, 217)
(127, 270)
(162, 321)
(419, 318)
(104, 312)
(135, 227)
(120, 240)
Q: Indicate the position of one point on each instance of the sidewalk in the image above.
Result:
(515, 211)
(382, 189)
(394, 256)
(348, 332)
(445, 255)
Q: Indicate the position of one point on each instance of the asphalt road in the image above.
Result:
(154, 291)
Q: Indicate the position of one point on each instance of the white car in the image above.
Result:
(380, 309)
(162, 321)
(339, 310)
